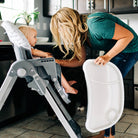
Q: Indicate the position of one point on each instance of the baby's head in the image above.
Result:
(30, 33)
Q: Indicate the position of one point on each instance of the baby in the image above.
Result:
(31, 35)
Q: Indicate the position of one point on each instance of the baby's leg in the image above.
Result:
(67, 87)
(72, 82)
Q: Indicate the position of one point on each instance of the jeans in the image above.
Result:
(124, 61)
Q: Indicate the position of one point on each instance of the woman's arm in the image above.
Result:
(124, 37)
(73, 62)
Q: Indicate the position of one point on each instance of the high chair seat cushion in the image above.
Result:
(105, 95)
(15, 35)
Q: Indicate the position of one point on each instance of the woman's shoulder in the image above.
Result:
(94, 17)
(100, 17)
(100, 14)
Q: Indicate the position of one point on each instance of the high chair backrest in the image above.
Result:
(105, 95)
(21, 45)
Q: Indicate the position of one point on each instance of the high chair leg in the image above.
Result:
(7, 86)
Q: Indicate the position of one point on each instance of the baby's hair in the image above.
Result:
(26, 30)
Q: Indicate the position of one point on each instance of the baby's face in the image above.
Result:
(32, 37)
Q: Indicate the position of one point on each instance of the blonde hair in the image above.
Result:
(71, 28)
(26, 30)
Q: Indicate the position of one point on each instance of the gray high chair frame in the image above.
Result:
(39, 80)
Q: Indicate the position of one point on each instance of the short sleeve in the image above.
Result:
(102, 29)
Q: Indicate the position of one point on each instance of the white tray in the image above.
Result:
(105, 95)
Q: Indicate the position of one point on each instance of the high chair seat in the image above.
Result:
(105, 95)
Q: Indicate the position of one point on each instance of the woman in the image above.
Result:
(102, 31)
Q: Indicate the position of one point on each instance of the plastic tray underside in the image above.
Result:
(105, 95)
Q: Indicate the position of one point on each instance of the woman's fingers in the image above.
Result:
(48, 55)
(99, 61)
(102, 60)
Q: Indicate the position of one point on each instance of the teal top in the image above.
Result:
(101, 28)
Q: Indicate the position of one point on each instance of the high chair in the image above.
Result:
(41, 75)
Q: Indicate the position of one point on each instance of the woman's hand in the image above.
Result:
(102, 60)
(48, 55)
